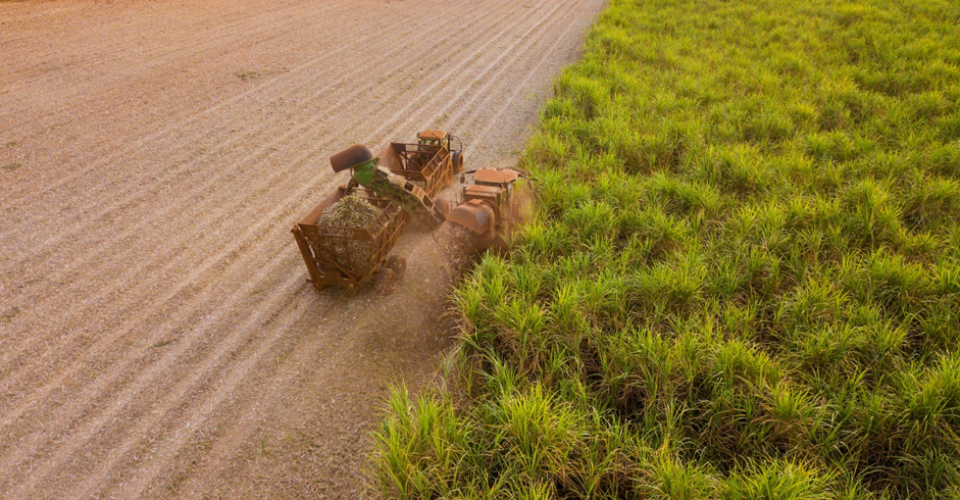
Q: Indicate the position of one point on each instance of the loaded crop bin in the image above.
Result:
(344, 256)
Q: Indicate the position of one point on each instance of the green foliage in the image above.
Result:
(743, 279)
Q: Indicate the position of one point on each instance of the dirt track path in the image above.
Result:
(157, 335)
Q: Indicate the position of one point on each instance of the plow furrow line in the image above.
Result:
(236, 374)
(119, 239)
(300, 354)
(313, 351)
(527, 36)
(479, 138)
(236, 24)
(163, 136)
(231, 344)
(118, 199)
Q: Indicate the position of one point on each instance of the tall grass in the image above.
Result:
(743, 279)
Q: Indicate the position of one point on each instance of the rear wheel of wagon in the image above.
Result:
(398, 264)
(384, 280)
(457, 162)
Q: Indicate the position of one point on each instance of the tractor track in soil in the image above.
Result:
(157, 336)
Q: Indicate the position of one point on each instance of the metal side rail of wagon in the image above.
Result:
(345, 256)
(431, 162)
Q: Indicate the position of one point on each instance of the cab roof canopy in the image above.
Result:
(432, 134)
(494, 176)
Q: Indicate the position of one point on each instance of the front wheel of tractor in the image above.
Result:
(457, 162)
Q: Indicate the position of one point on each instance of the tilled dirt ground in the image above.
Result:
(158, 337)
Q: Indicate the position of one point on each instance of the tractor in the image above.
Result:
(404, 180)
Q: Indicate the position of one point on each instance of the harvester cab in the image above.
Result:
(484, 205)
(433, 138)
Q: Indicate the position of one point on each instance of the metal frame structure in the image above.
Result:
(429, 164)
(419, 172)
(315, 241)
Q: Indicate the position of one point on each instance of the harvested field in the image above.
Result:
(157, 335)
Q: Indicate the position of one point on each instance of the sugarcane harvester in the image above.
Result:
(488, 206)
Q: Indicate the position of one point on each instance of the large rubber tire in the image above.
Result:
(384, 280)
(398, 264)
(457, 162)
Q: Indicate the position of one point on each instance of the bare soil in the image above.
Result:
(158, 338)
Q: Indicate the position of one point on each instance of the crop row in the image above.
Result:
(743, 278)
